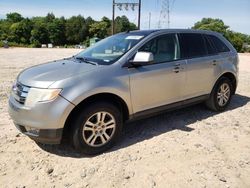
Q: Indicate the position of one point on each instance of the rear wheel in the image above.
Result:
(97, 128)
(221, 95)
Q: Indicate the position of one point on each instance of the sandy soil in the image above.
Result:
(192, 147)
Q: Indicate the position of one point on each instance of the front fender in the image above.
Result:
(79, 88)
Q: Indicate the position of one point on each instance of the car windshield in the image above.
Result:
(109, 50)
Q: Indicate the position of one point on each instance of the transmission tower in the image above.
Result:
(164, 19)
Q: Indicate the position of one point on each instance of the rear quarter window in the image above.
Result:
(211, 50)
(219, 45)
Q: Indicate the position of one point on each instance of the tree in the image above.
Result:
(108, 25)
(4, 29)
(122, 24)
(88, 21)
(132, 26)
(50, 17)
(14, 17)
(211, 24)
(99, 29)
(39, 33)
(237, 39)
(76, 29)
(56, 31)
(20, 32)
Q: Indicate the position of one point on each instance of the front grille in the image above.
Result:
(20, 92)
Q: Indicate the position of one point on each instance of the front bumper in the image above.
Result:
(45, 136)
(44, 122)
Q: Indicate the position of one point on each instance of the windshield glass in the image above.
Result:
(108, 50)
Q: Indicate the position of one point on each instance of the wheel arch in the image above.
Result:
(231, 77)
(107, 97)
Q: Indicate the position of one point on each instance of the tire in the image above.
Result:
(219, 99)
(96, 128)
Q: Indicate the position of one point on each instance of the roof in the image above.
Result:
(147, 32)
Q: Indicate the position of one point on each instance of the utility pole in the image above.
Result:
(139, 15)
(126, 6)
(149, 20)
(113, 18)
(168, 16)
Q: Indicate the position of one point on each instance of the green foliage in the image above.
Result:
(56, 32)
(237, 39)
(75, 29)
(4, 29)
(86, 42)
(14, 44)
(39, 33)
(14, 17)
(33, 32)
(20, 32)
(99, 29)
(122, 24)
(211, 24)
(50, 17)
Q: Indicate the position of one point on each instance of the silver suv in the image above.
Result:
(127, 76)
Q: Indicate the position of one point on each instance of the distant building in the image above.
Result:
(93, 40)
(50, 45)
(246, 45)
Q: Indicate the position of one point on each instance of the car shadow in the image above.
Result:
(140, 130)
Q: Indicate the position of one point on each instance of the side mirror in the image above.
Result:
(142, 58)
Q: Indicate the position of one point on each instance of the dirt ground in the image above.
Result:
(192, 147)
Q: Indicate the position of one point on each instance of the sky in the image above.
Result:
(183, 13)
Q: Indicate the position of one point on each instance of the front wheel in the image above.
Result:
(221, 95)
(97, 128)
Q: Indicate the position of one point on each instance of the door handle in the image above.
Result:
(214, 62)
(176, 69)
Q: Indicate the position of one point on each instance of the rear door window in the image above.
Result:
(219, 45)
(192, 45)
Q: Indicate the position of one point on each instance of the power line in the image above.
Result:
(127, 6)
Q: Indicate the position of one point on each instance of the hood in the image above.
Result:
(44, 75)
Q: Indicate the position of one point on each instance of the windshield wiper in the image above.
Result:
(85, 60)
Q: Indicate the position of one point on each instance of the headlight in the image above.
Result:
(41, 95)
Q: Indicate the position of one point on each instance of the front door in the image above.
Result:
(161, 82)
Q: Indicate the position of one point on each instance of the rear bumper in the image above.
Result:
(45, 136)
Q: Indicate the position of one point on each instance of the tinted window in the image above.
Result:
(219, 45)
(192, 45)
(210, 48)
(164, 48)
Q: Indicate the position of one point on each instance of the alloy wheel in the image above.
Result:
(223, 94)
(99, 129)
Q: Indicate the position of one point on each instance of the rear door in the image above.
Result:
(195, 48)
